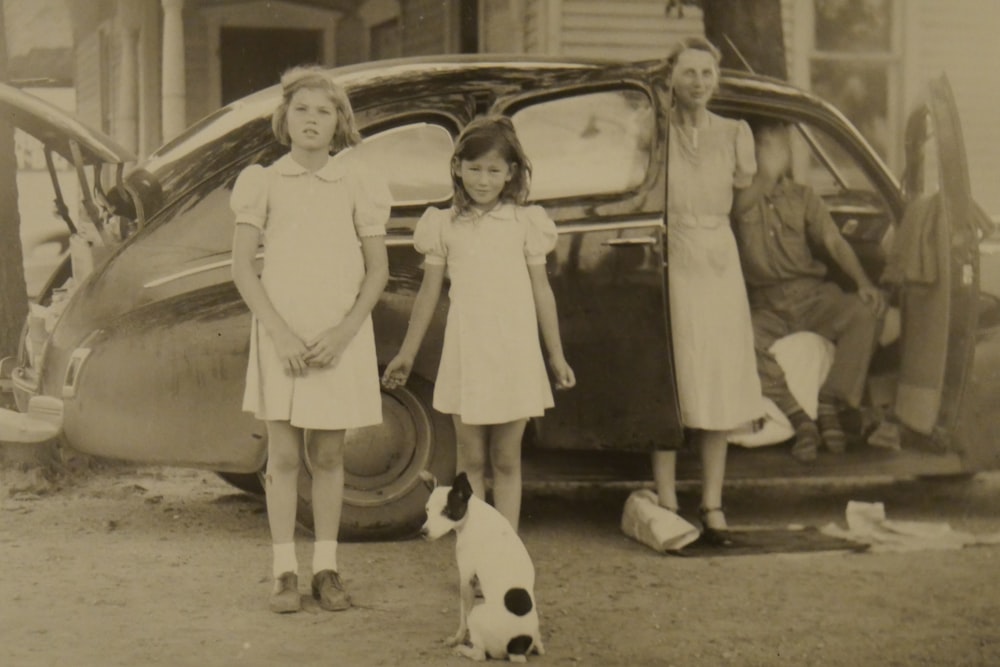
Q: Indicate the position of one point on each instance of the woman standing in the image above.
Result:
(710, 158)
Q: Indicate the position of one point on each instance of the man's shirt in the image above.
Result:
(776, 236)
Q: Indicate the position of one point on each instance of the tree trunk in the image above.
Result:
(749, 34)
(24, 467)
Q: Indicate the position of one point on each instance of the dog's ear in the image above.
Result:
(462, 484)
(429, 480)
(458, 498)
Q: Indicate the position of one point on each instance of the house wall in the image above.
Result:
(627, 30)
(427, 27)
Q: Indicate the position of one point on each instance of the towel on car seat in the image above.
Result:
(806, 358)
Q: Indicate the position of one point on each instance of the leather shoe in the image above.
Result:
(328, 589)
(285, 596)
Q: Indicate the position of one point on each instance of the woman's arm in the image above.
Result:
(327, 347)
(290, 348)
(548, 322)
(398, 370)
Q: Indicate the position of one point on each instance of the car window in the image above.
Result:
(590, 144)
(414, 159)
(820, 161)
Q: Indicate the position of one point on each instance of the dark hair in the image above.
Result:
(314, 78)
(477, 139)
(698, 44)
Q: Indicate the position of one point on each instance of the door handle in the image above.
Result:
(631, 241)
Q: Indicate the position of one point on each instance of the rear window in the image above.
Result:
(595, 143)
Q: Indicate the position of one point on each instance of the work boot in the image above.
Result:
(805, 449)
(830, 429)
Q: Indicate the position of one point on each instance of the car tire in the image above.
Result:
(384, 496)
(251, 482)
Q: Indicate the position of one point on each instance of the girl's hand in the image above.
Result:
(397, 372)
(327, 348)
(565, 378)
(292, 351)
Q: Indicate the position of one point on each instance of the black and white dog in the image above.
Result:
(505, 624)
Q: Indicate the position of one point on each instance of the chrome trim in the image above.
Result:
(73, 369)
(400, 241)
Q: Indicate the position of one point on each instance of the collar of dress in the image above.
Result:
(333, 170)
(503, 211)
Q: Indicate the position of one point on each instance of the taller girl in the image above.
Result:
(492, 376)
(312, 348)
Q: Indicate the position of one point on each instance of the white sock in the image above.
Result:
(284, 559)
(325, 556)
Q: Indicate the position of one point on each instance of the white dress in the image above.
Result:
(714, 357)
(492, 370)
(313, 270)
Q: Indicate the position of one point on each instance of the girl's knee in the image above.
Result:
(326, 451)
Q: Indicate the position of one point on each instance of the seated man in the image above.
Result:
(777, 223)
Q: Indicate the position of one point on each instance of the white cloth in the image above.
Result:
(805, 357)
(492, 370)
(313, 270)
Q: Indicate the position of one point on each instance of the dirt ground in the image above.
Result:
(151, 566)
(166, 567)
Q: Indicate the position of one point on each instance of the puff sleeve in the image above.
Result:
(746, 160)
(540, 236)
(427, 236)
(372, 203)
(249, 197)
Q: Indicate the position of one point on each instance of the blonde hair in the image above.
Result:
(314, 78)
(477, 139)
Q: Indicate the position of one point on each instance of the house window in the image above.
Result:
(854, 63)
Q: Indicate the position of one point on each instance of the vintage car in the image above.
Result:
(137, 348)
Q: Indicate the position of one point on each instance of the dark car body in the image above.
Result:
(146, 361)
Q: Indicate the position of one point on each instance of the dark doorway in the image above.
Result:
(468, 27)
(254, 58)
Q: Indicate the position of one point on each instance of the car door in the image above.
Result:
(940, 232)
(598, 156)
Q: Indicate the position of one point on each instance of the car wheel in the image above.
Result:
(251, 482)
(384, 496)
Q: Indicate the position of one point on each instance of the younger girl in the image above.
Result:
(312, 349)
(492, 376)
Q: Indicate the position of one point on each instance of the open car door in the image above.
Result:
(937, 267)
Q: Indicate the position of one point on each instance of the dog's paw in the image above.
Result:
(538, 648)
(457, 638)
(470, 652)
(516, 657)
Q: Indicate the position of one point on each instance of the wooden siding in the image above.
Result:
(630, 30)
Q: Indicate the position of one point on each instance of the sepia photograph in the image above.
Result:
(568, 332)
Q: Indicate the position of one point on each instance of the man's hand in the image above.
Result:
(874, 298)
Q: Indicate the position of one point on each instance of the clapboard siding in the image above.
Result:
(87, 80)
(628, 30)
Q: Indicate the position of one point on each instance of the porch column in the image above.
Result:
(127, 121)
(174, 91)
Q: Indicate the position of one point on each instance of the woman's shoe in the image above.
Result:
(716, 537)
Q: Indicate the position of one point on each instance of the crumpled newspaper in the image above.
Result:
(867, 524)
